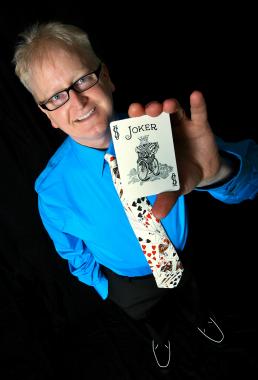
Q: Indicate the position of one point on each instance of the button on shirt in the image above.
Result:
(84, 217)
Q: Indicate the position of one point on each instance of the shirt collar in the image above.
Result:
(91, 158)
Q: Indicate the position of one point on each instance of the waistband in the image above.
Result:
(109, 273)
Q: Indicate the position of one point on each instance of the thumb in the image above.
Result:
(164, 203)
(198, 108)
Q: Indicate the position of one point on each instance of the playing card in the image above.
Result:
(145, 155)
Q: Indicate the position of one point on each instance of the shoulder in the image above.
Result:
(54, 171)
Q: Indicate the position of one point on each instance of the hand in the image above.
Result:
(197, 154)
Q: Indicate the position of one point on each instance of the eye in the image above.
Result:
(85, 82)
(82, 81)
(58, 99)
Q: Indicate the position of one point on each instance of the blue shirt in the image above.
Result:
(84, 217)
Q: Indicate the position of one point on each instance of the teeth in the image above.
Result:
(86, 115)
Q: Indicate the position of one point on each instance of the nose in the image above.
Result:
(78, 97)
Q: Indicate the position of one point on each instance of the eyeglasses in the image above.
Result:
(82, 84)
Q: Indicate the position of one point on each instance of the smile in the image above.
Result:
(83, 117)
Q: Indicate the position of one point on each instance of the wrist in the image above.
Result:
(228, 169)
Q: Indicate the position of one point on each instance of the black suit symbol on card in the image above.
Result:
(116, 133)
(174, 180)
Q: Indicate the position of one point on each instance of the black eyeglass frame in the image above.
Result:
(72, 87)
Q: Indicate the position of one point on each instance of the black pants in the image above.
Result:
(153, 307)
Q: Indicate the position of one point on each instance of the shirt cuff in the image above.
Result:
(102, 287)
(235, 162)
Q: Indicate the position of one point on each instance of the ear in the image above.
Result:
(47, 114)
(43, 110)
(106, 76)
(53, 125)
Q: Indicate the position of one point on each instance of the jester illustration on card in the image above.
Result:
(147, 162)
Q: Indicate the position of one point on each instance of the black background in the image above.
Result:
(50, 323)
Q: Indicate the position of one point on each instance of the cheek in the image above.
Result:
(105, 89)
(108, 98)
(58, 120)
(53, 122)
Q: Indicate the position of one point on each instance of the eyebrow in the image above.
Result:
(64, 89)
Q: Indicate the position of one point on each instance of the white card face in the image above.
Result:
(145, 155)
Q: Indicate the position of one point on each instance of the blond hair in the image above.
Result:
(36, 41)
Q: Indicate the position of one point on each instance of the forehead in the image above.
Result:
(56, 69)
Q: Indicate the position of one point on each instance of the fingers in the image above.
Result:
(198, 108)
(177, 113)
(154, 108)
(172, 106)
(164, 203)
(136, 109)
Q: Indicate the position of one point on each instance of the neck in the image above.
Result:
(100, 143)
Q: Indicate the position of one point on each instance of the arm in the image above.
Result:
(198, 157)
(80, 260)
(242, 182)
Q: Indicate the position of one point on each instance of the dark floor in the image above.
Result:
(105, 345)
(126, 356)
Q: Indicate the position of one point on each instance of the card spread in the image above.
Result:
(145, 155)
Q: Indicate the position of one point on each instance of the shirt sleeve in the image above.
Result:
(244, 185)
(80, 260)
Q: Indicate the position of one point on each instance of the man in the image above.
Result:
(78, 202)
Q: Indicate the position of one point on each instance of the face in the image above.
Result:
(86, 116)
